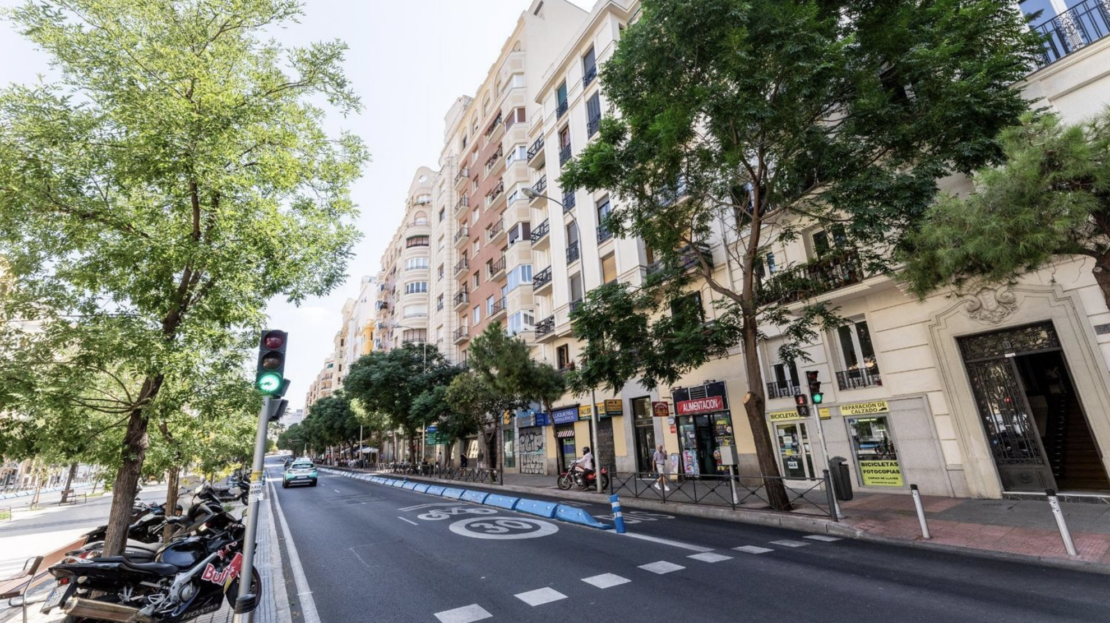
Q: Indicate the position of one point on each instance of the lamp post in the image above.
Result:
(530, 193)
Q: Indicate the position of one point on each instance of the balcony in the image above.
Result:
(782, 390)
(540, 231)
(462, 266)
(545, 328)
(561, 109)
(461, 334)
(592, 126)
(574, 252)
(462, 236)
(496, 269)
(462, 299)
(688, 259)
(497, 191)
(462, 176)
(495, 128)
(496, 231)
(462, 205)
(812, 279)
(535, 153)
(569, 201)
(541, 280)
(564, 154)
(859, 378)
(496, 161)
(383, 305)
(498, 310)
(1075, 29)
(588, 77)
(540, 187)
(603, 234)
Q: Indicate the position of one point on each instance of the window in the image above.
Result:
(439, 302)
(609, 268)
(785, 380)
(593, 114)
(604, 208)
(564, 137)
(561, 99)
(476, 280)
(521, 275)
(856, 350)
(464, 139)
(412, 311)
(520, 322)
(439, 273)
(442, 214)
(520, 152)
(562, 354)
(489, 306)
(766, 266)
(689, 306)
(416, 287)
(589, 67)
(477, 247)
(416, 263)
(417, 241)
(416, 336)
(827, 241)
(474, 216)
(576, 291)
(477, 315)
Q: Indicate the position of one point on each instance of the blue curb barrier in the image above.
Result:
(501, 501)
(398, 483)
(573, 514)
(420, 488)
(535, 507)
(409, 485)
(475, 496)
(454, 494)
(618, 516)
(435, 491)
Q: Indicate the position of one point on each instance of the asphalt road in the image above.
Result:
(383, 554)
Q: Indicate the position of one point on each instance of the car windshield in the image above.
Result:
(302, 466)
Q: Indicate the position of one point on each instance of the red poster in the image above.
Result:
(711, 404)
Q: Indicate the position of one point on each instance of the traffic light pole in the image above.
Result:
(247, 570)
(825, 453)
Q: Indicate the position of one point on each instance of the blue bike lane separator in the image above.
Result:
(573, 514)
(536, 507)
(501, 501)
(478, 497)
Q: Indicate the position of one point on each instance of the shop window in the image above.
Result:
(609, 268)
(877, 462)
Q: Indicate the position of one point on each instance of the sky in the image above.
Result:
(409, 60)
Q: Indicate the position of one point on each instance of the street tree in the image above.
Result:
(1049, 201)
(174, 178)
(749, 118)
(475, 407)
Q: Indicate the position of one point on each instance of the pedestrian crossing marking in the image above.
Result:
(789, 543)
(752, 549)
(466, 614)
(710, 557)
(662, 567)
(606, 580)
(823, 538)
(540, 596)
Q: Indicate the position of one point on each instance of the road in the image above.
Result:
(374, 553)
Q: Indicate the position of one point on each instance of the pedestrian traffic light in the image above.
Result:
(270, 375)
(801, 400)
(814, 387)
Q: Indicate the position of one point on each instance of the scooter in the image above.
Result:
(571, 477)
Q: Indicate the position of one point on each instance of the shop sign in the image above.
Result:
(881, 473)
(825, 413)
(865, 408)
(542, 419)
(565, 415)
(779, 416)
(524, 421)
(710, 404)
(660, 409)
(585, 412)
(614, 407)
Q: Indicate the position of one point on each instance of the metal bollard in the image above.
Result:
(1058, 513)
(618, 518)
(920, 512)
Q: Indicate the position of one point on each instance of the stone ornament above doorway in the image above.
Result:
(991, 304)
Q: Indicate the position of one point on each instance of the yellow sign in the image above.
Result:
(614, 407)
(506, 418)
(779, 416)
(825, 413)
(881, 473)
(585, 411)
(865, 408)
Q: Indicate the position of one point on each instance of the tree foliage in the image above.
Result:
(1049, 200)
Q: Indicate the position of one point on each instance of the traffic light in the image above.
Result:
(801, 400)
(278, 407)
(814, 387)
(270, 375)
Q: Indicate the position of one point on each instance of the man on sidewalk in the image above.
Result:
(659, 458)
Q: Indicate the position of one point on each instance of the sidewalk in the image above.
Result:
(1015, 530)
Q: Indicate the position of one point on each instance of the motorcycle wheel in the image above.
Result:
(565, 482)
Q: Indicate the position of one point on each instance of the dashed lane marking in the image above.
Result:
(752, 549)
(466, 614)
(679, 544)
(709, 557)
(789, 543)
(540, 596)
(823, 538)
(408, 521)
(606, 580)
(662, 567)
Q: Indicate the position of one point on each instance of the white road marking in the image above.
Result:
(308, 604)
(408, 521)
(709, 557)
(540, 596)
(336, 490)
(752, 549)
(662, 567)
(606, 580)
(789, 543)
(823, 538)
(466, 614)
(679, 544)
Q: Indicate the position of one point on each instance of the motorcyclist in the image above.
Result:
(585, 464)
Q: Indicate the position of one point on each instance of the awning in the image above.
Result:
(564, 434)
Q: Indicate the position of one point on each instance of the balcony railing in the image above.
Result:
(564, 154)
(495, 158)
(1074, 29)
(545, 327)
(589, 76)
(462, 265)
(813, 279)
(540, 186)
(541, 231)
(782, 390)
(860, 377)
(464, 203)
(461, 235)
(569, 201)
(495, 230)
(566, 366)
(592, 126)
(574, 305)
(495, 193)
(383, 304)
(463, 174)
(561, 109)
(497, 267)
(462, 298)
(541, 279)
(497, 308)
(573, 253)
(494, 126)
(687, 260)
(536, 149)
(603, 234)
(462, 333)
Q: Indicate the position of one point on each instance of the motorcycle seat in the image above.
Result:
(150, 547)
(157, 568)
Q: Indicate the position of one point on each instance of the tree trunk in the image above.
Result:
(1102, 276)
(757, 419)
(173, 485)
(136, 442)
(69, 482)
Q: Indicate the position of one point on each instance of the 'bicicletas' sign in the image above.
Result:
(710, 404)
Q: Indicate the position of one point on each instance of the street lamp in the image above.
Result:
(530, 193)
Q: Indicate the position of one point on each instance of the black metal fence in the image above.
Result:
(805, 495)
(462, 474)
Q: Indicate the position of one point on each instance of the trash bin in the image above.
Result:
(841, 479)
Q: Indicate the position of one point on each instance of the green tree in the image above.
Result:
(1049, 200)
(174, 179)
(740, 120)
(474, 409)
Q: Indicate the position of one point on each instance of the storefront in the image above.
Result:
(791, 435)
(508, 442)
(565, 447)
(872, 444)
(530, 442)
(644, 425)
(704, 426)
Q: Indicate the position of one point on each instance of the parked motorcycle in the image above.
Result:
(571, 477)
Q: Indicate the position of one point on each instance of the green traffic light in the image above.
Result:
(269, 383)
(817, 398)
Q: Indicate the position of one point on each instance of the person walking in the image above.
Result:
(659, 457)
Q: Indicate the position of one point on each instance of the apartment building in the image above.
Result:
(324, 384)
(402, 305)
